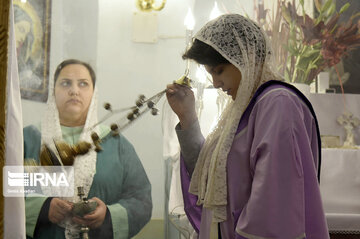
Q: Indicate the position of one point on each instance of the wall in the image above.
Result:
(141, 68)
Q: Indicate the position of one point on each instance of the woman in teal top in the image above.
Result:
(113, 177)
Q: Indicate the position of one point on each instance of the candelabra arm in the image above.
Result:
(160, 7)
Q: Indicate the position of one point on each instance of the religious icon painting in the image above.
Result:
(32, 34)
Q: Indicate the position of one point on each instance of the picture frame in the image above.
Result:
(32, 21)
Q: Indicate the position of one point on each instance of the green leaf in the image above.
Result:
(302, 64)
(331, 10)
(319, 18)
(312, 66)
(303, 8)
(326, 6)
(311, 53)
(302, 2)
(290, 49)
(355, 16)
(306, 74)
(305, 62)
(344, 8)
(317, 45)
(286, 76)
(318, 5)
(286, 14)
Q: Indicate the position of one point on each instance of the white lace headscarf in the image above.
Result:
(85, 165)
(243, 44)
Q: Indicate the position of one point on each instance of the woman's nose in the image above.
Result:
(217, 83)
(74, 90)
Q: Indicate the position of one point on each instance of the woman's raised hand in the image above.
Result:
(182, 101)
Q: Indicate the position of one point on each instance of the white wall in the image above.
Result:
(140, 68)
(100, 32)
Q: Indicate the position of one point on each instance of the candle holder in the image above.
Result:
(149, 5)
(82, 208)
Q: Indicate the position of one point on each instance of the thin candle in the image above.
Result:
(189, 23)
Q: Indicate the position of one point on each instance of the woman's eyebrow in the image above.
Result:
(216, 68)
(65, 79)
(212, 68)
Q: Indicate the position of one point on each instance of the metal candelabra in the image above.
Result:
(82, 208)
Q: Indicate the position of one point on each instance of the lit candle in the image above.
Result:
(200, 74)
(215, 12)
(189, 23)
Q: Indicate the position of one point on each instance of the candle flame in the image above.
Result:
(215, 12)
(200, 74)
(189, 21)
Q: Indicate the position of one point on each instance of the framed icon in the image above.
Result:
(32, 33)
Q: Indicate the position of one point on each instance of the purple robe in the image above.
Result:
(272, 170)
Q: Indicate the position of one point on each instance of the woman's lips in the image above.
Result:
(74, 101)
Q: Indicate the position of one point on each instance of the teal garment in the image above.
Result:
(71, 135)
(120, 182)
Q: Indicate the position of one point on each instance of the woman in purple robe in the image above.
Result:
(256, 175)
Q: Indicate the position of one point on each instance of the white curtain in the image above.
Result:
(171, 151)
(14, 208)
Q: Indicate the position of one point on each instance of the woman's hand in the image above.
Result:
(94, 219)
(59, 209)
(182, 102)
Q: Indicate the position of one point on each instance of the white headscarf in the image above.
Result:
(243, 44)
(85, 165)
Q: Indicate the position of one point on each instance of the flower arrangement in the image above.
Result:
(311, 44)
(276, 28)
